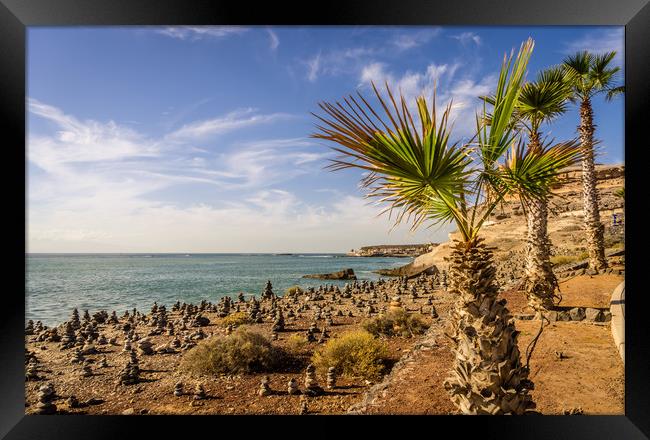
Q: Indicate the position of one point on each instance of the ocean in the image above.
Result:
(57, 283)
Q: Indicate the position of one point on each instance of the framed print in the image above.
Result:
(414, 209)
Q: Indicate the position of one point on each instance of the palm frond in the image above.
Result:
(409, 168)
(615, 91)
(530, 173)
(495, 141)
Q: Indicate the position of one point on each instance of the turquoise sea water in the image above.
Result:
(57, 283)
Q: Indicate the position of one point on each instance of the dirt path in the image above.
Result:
(589, 377)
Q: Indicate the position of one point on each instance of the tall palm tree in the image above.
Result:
(589, 76)
(540, 102)
(425, 177)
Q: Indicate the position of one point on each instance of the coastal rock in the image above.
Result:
(345, 274)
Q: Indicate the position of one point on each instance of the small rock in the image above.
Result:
(593, 315)
(577, 314)
(552, 315)
(128, 412)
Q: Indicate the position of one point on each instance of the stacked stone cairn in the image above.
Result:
(31, 373)
(303, 406)
(278, 324)
(331, 378)
(77, 357)
(86, 371)
(178, 389)
(199, 392)
(69, 339)
(265, 389)
(130, 374)
(311, 385)
(74, 319)
(292, 387)
(267, 293)
(254, 311)
(45, 396)
(29, 329)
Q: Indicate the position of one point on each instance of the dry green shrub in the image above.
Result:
(293, 290)
(395, 323)
(241, 352)
(559, 260)
(236, 319)
(296, 343)
(353, 354)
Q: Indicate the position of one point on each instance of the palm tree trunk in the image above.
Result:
(593, 227)
(539, 280)
(488, 377)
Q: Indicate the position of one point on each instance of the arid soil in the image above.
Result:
(575, 365)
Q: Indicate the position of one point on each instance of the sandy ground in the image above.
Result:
(589, 377)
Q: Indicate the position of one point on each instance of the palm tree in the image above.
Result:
(540, 101)
(425, 177)
(590, 75)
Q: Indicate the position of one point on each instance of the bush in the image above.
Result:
(353, 354)
(559, 260)
(241, 352)
(296, 343)
(395, 323)
(236, 319)
(293, 290)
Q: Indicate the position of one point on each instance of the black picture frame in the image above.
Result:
(16, 15)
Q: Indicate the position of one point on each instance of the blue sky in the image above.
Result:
(195, 139)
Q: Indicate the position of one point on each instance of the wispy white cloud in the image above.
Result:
(274, 41)
(337, 62)
(84, 141)
(599, 41)
(462, 91)
(313, 66)
(466, 38)
(201, 32)
(235, 120)
(410, 40)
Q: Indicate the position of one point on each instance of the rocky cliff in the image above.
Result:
(506, 230)
(390, 250)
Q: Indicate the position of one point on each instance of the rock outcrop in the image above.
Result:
(345, 274)
(390, 250)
